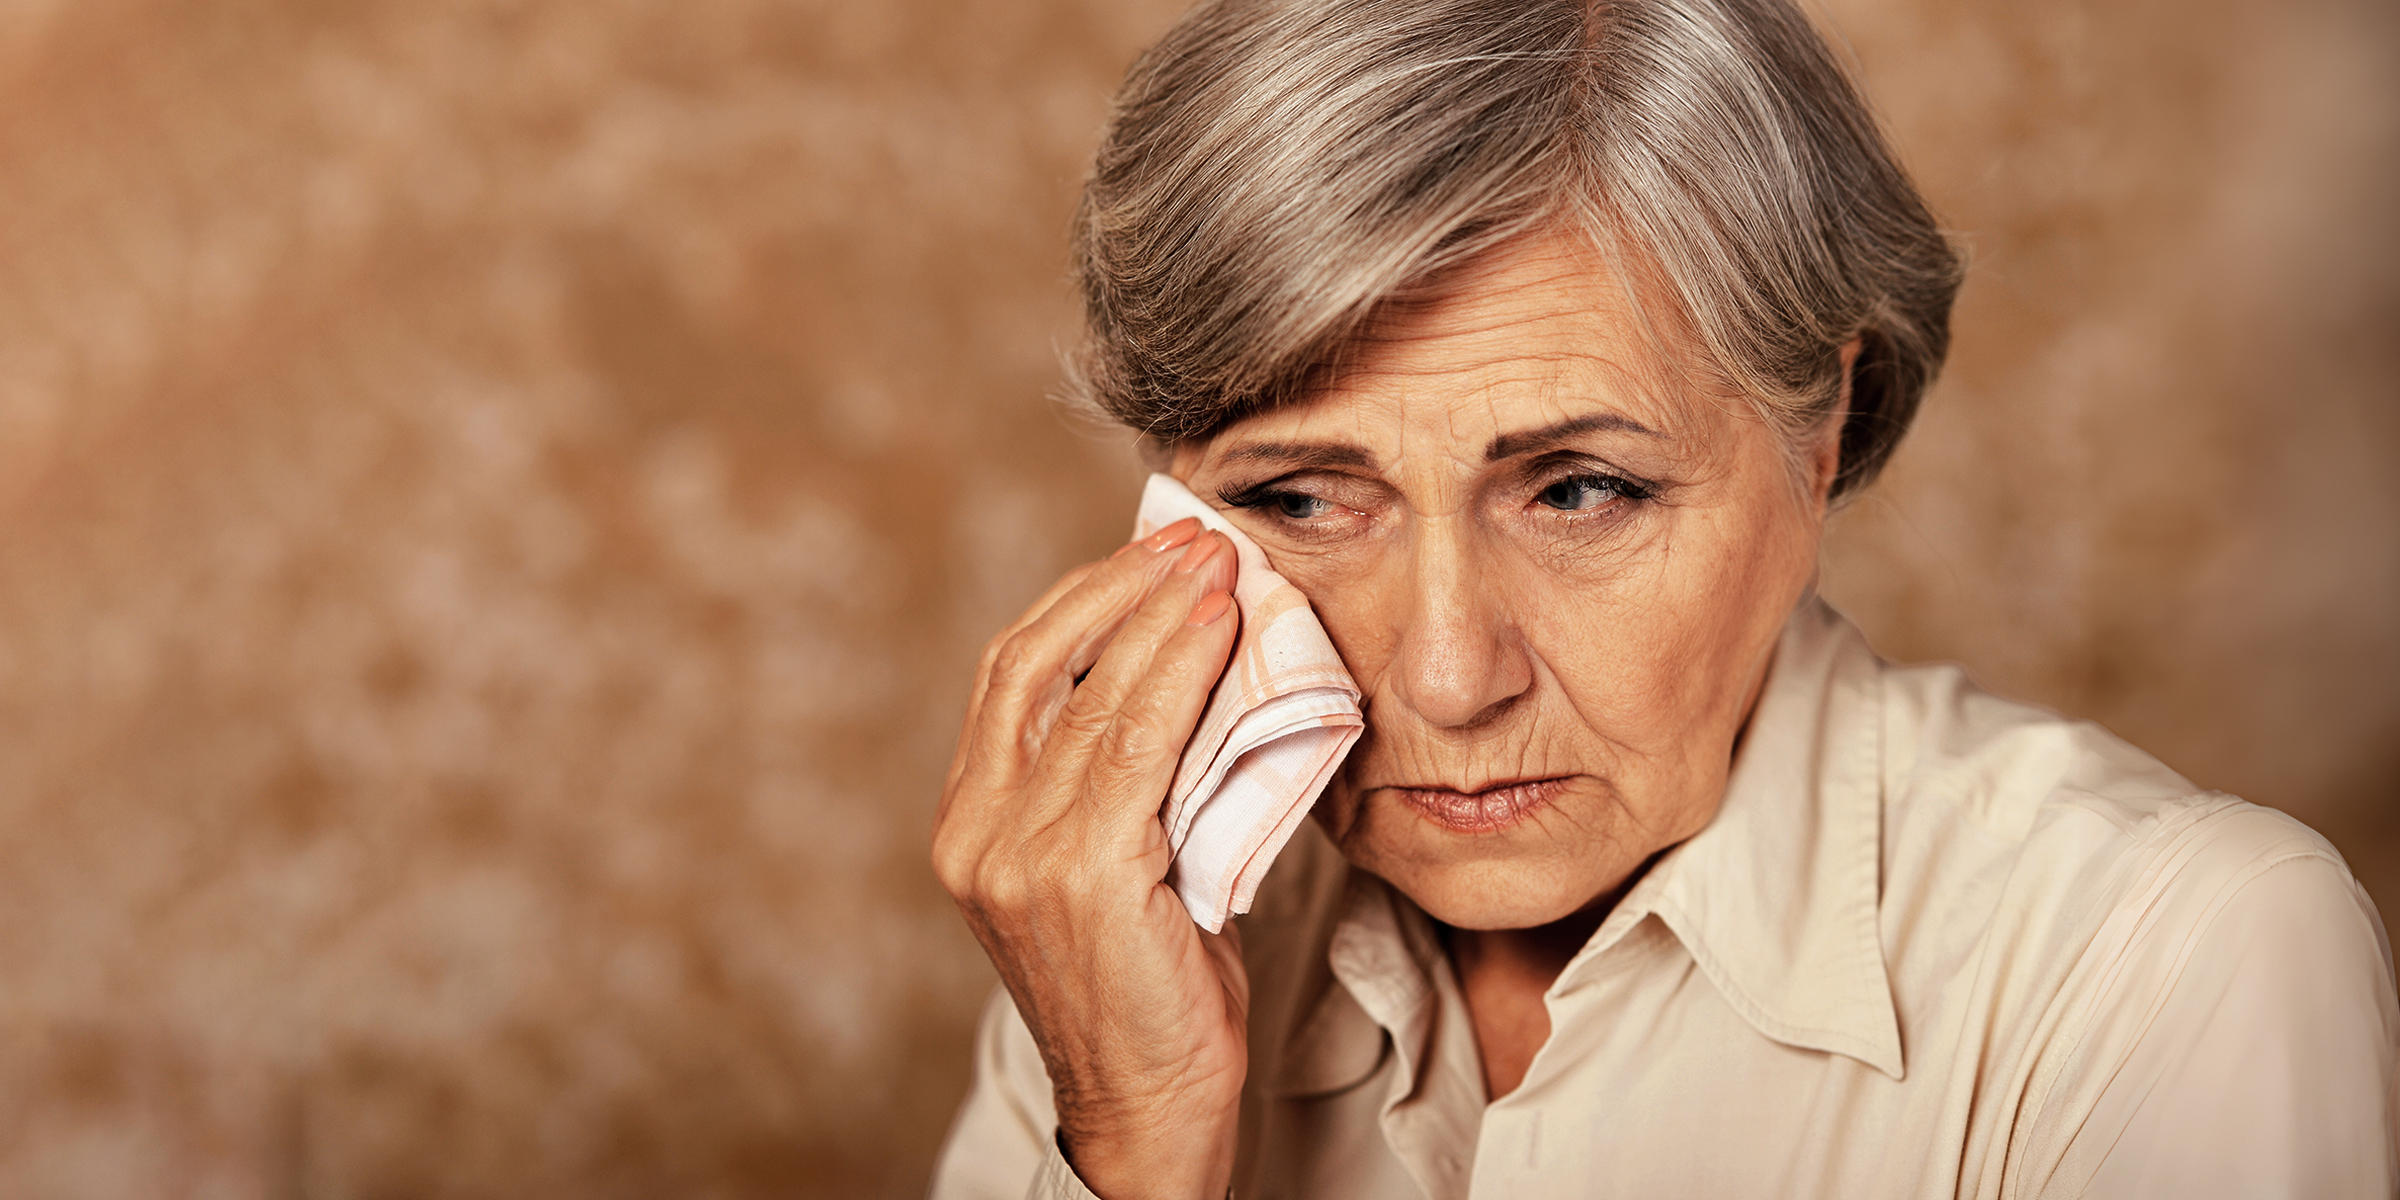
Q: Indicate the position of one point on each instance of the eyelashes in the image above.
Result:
(1299, 504)
(1253, 496)
(1551, 495)
(1555, 480)
(1585, 493)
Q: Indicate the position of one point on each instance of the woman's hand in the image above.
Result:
(1048, 837)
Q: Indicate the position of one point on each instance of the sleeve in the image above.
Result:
(2248, 1050)
(1003, 1143)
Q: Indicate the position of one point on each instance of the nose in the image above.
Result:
(1460, 661)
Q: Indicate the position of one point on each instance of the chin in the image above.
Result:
(1520, 877)
(1495, 895)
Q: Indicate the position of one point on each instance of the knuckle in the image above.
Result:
(1013, 660)
(1143, 720)
(1133, 779)
(1130, 740)
(1084, 718)
(954, 861)
(1003, 887)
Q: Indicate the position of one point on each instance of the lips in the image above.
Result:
(1493, 808)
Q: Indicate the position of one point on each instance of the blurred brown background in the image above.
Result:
(498, 502)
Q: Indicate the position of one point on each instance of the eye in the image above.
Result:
(1314, 508)
(1583, 493)
(1294, 506)
(1282, 503)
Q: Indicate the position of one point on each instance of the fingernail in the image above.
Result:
(1173, 535)
(1210, 608)
(1199, 553)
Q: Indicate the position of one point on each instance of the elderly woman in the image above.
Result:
(1532, 341)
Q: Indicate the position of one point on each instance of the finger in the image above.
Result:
(1127, 726)
(1123, 669)
(1033, 612)
(983, 668)
(1133, 762)
(1028, 674)
(1163, 539)
(1050, 651)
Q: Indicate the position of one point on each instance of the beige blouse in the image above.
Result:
(1934, 944)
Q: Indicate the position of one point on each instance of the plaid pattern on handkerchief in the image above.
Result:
(1277, 726)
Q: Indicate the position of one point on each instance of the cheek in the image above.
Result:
(1360, 597)
(1663, 649)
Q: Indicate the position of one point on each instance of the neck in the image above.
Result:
(1537, 955)
(1504, 974)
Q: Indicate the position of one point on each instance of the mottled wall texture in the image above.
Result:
(498, 502)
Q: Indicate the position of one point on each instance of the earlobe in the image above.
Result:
(1828, 464)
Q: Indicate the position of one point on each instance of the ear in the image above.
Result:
(1825, 457)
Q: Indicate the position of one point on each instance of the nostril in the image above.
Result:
(1496, 710)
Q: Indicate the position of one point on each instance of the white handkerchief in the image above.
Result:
(1276, 727)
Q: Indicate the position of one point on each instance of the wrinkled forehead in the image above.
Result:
(1544, 333)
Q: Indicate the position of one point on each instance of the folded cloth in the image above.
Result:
(1277, 725)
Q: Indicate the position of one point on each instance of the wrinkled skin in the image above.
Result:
(1557, 559)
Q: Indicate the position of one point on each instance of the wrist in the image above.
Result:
(1184, 1163)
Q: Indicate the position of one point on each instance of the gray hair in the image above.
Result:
(1274, 170)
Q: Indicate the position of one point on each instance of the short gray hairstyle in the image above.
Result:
(1273, 170)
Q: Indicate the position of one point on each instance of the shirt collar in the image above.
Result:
(1777, 899)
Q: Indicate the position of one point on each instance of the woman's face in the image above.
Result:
(1557, 562)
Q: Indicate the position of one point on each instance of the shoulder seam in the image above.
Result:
(2035, 1107)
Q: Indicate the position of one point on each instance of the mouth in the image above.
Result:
(1492, 808)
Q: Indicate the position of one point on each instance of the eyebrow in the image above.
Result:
(1303, 454)
(1508, 445)
(1526, 441)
